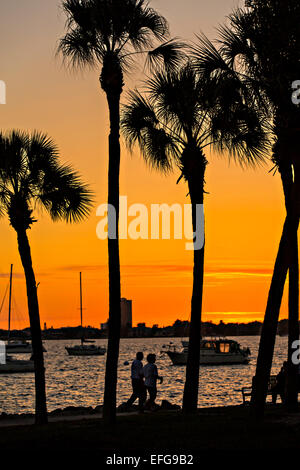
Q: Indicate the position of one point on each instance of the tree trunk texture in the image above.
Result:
(114, 323)
(293, 325)
(190, 396)
(285, 260)
(35, 327)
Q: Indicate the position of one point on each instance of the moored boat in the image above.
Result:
(15, 345)
(18, 346)
(16, 366)
(212, 352)
(84, 349)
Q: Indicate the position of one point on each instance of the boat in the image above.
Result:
(18, 346)
(84, 349)
(8, 364)
(16, 366)
(14, 345)
(212, 352)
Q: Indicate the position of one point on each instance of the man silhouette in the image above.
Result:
(137, 380)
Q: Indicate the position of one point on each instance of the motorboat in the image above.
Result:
(212, 352)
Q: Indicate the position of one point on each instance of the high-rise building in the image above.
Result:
(126, 313)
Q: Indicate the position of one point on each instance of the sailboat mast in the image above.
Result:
(80, 278)
(10, 292)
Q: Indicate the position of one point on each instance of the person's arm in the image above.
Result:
(158, 377)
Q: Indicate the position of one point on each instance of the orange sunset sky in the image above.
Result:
(244, 208)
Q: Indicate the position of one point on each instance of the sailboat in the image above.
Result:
(84, 349)
(15, 345)
(12, 365)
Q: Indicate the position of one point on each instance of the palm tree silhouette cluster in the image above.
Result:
(232, 96)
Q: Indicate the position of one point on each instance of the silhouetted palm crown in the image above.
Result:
(182, 113)
(263, 42)
(111, 32)
(260, 46)
(30, 175)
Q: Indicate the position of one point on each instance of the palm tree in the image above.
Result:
(180, 116)
(109, 33)
(261, 47)
(30, 176)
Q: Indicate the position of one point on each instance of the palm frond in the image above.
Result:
(64, 195)
(42, 153)
(136, 116)
(78, 49)
(30, 172)
(98, 27)
(4, 199)
(158, 147)
(206, 58)
(235, 44)
(140, 125)
(145, 25)
(13, 157)
(176, 98)
(243, 133)
(167, 56)
(77, 12)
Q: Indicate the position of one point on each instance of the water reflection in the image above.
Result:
(79, 381)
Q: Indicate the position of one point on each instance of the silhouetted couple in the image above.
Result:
(144, 379)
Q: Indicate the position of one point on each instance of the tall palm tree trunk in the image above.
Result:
(269, 328)
(285, 260)
(293, 326)
(35, 327)
(114, 323)
(190, 395)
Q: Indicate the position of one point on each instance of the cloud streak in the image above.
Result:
(210, 271)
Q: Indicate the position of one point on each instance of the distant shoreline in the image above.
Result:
(179, 329)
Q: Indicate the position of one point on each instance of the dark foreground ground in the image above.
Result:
(215, 433)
